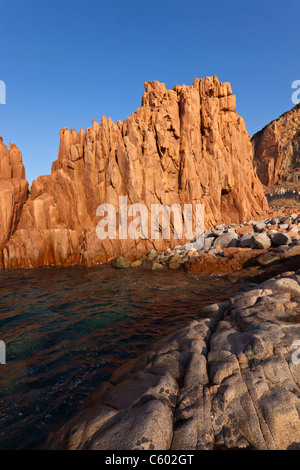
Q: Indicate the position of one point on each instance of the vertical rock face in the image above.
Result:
(13, 189)
(277, 149)
(185, 145)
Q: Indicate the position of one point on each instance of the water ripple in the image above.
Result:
(67, 329)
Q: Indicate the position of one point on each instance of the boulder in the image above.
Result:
(152, 265)
(137, 263)
(278, 254)
(208, 242)
(226, 240)
(259, 226)
(245, 240)
(121, 262)
(231, 262)
(175, 264)
(280, 238)
(260, 241)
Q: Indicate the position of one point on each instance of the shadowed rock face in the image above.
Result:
(13, 189)
(277, 149)
(185, 145)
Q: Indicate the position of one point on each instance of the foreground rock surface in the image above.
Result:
(227, 381)
(185, 145)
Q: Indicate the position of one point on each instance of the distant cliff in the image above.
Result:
(277, 149)
(181, 146)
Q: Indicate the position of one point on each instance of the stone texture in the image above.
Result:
(13, 190)
(260, 241)
(182, 145)
(245, 240)
(277, 149)
(226, 240)
(121, 262)
(279, 238)
(226, 381)
(278, 254)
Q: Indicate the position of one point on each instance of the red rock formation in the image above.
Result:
(13, 189)
(182, 145)
(277, 149)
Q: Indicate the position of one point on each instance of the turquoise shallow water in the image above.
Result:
(67, 329)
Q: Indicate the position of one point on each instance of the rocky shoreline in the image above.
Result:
(230, 380)
(228, 249)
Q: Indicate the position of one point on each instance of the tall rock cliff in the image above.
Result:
(185, 145)
(13, 189)
(277, 149)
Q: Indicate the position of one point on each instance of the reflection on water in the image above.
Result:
(67, 329)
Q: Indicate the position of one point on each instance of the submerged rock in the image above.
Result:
(152, 265)
(137, 263)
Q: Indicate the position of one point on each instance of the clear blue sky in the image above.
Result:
(70, 61)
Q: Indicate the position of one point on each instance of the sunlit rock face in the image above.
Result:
(277, 149)
(13, 189)
(185, 145)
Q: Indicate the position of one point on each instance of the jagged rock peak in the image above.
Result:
(182, 146)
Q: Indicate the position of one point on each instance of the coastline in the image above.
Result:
(239, 250)
(149, 229)
(226, 381)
